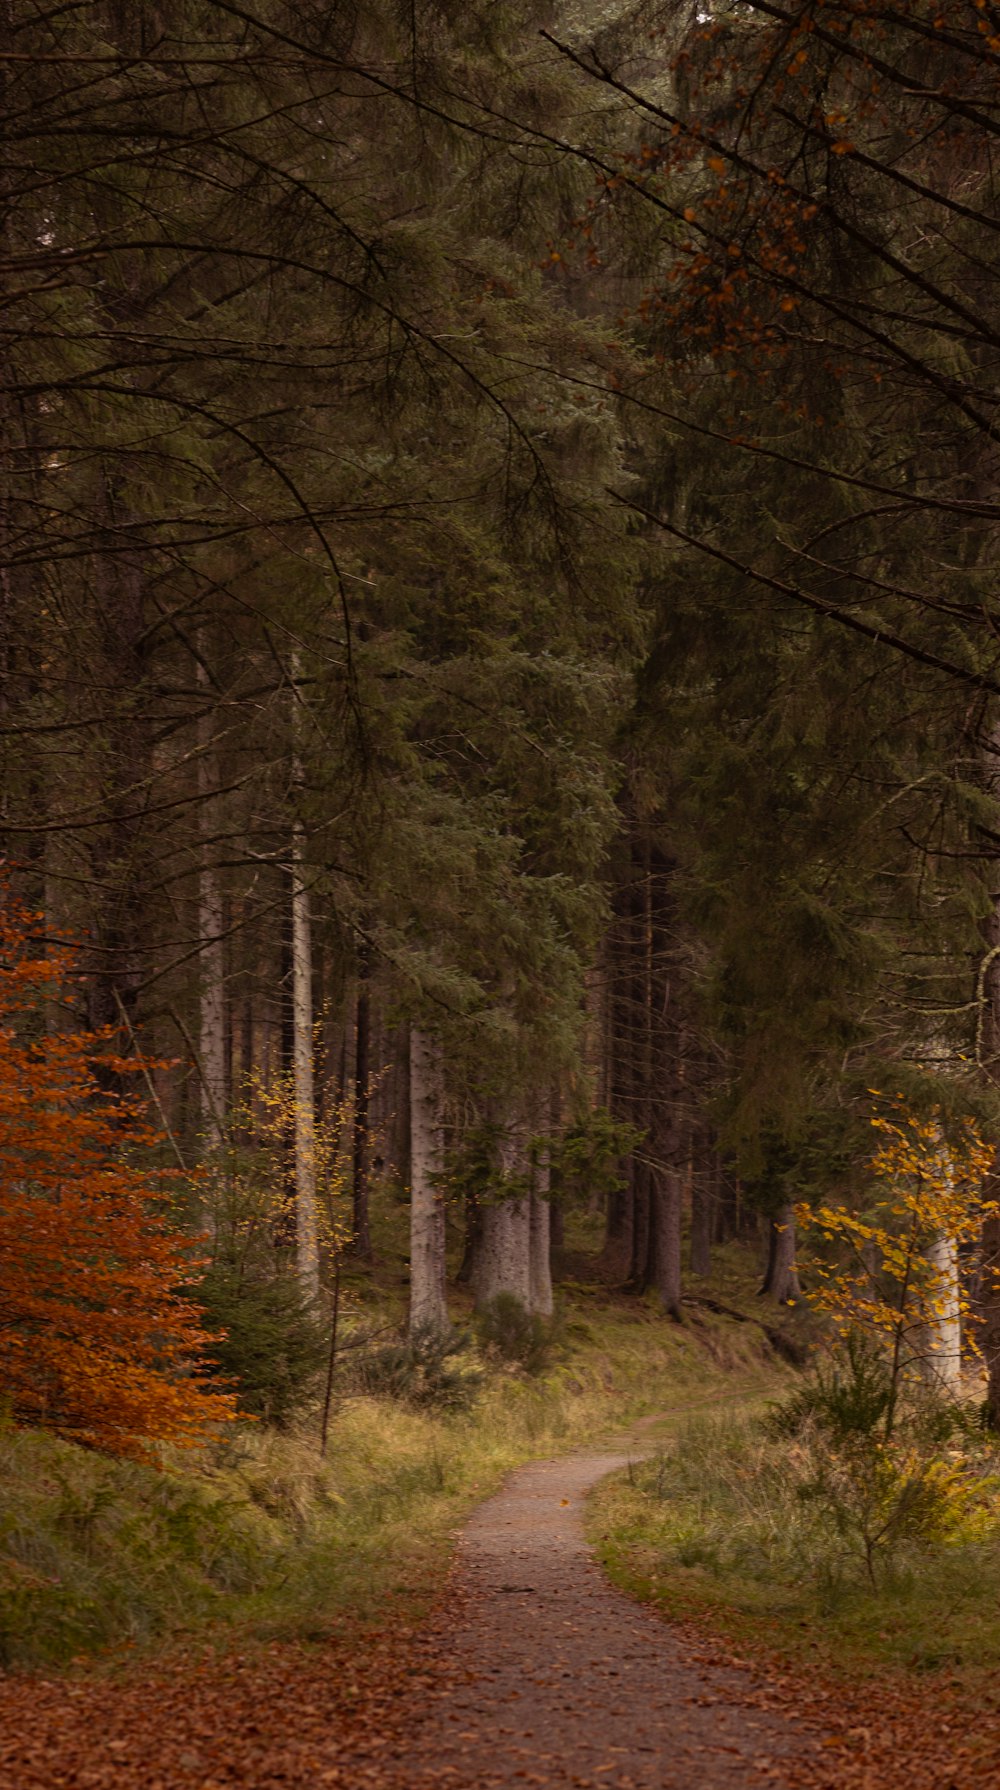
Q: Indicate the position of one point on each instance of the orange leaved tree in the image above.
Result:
(96, 1343)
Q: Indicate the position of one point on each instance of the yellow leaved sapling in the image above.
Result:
(891, 1270)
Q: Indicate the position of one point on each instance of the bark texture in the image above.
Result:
(943, 1360)
(503, 1259)
(503, 1252)
(667, 1196)
(781, 1281)
(704, 1180)
(428, 1301)
(540, 1298)
(211, 926)
(361, 1242)
(306, 1230)
(988, 1053)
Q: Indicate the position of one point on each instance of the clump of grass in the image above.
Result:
(263, 1533)
(807, 1528)
(511, 1333)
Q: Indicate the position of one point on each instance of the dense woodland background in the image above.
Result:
(497, 613)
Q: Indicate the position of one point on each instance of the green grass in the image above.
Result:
(714, 1530)
(260, 1534)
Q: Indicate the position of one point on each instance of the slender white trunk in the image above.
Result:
(428, 1303)
(212, 965)
(943, 1359)
(306, 1231)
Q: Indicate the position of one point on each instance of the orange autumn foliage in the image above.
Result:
(96, 1343)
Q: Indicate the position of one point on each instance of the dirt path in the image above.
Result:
(551, 1676)
(536, 1671)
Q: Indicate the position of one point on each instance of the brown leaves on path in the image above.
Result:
(288, 1717)
(895, 1732)
(274, 1718)
(533, 1670)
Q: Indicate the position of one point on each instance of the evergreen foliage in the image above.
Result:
(269, 1343)
(521, 477)
(428, 1369)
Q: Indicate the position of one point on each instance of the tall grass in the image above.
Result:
(763, 1535)
(262, 1533)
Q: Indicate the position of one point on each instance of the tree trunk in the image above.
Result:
(989, 1298)
(428, 1302)
(399, 1123)
(212, 955)
(943, 1359)
(473, 1233)
(729, 1214)
(781, 1281)
(988, 1055)
(361, 1242)
(704, 1180)
(619, 1246)
(503, 1257)
(646, 1094)
(119, 851)
(306, 1231)
(666, 1229)
(540, 1299)
(641, 1267)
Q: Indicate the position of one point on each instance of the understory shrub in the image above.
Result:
(271, 1343)
(507, 1329)
(815, 1490)
(850, 1396)
(429, 1370)
(873, 1467)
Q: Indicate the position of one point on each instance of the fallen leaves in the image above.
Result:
(890, 1733)
(275, 1719)
(354, 1714)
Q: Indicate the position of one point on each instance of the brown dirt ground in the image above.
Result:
(559, 1679)
(534, 1671)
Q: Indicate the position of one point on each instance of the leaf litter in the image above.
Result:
(570, 1684)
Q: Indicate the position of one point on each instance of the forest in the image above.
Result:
(499, 893)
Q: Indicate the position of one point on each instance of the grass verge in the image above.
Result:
(262, 1534)
(721, 1530)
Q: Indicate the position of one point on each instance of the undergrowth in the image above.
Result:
(262, 1533)
(807, 1530)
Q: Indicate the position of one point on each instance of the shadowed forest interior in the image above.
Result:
(500, 824)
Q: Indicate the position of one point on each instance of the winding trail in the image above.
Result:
(536, 1671)
(551, 1676)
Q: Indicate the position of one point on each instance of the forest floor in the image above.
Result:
(530, 1668)
(533, 1670)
